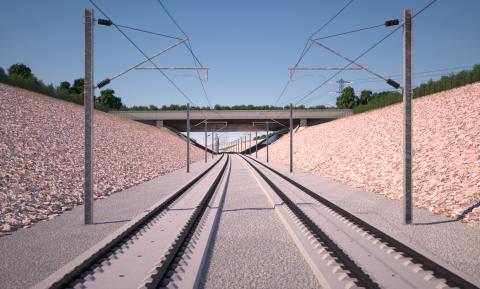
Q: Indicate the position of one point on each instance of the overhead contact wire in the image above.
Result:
(142, 52)
(308, 46)
(188, 45)
(363, 54)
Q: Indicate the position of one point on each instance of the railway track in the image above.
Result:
(148, 252)
(345, 251)
(167, 246)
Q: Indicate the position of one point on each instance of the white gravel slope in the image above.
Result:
(365, 151)
(41, 155)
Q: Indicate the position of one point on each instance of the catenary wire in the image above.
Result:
(305, 49)
(201, 81)
(349, 32)
(361, 55)
(308, 46)
(331, 19)
(188, 45)
(148, 32)
(345, 67)
(143, 53)
(418, 74)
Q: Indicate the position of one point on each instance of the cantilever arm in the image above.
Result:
(108, 80)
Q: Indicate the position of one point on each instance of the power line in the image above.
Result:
(424, 8)
(417, 73)
(418, 76)
(320, 29)
(308, 46)
(142, 52)
(361, 55)
(349, 32)
(389, 81)
(188, 45)
(373, 80)
(201, 81)
(148, 32)
(283, 92)
(171, 18)
(415, 77)
(331, 19)
(304, 52)
(137, 66)
(346, 66)
(387, 23)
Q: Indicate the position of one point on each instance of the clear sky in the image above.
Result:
(248, 44)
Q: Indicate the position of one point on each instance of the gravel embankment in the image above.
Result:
(365, 151)
(41, 156)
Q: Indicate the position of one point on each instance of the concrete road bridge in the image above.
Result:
(237, 120)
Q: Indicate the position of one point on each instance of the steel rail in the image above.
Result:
(85, 265)
(452, 279)
(363, 279)
(175, 251)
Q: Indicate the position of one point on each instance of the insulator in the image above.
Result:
(106, 22)
(392, 22)
(103, 83)
(393, 83)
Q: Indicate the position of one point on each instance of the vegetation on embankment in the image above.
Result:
(20, 75)
(369, 100)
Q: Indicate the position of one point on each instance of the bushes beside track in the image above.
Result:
(446, 82)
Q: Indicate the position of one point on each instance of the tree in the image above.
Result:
(365, 96)
(65, 85)
(3, 76)
(107, 98)
(347, 99)
(476, 72)
(20, 70)
(77, 86)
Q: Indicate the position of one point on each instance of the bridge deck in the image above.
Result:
(238, 120)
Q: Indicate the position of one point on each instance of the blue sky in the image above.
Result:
(248, 45)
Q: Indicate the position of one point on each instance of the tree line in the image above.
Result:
(20, 75)
(448, 82)
(218, 107)
(369, 100)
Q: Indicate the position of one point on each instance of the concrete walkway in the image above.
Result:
(27, 256)
(252, 248)
(448, 240)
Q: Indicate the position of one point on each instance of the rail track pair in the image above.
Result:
(167, 246)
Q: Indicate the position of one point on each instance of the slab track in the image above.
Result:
(167, 247)
(147, 252)
(354, 253)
